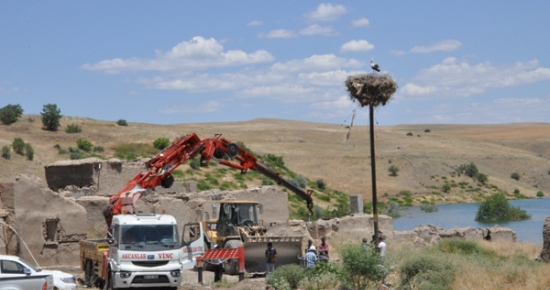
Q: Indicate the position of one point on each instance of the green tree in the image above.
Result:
(84, 145)
(122, 122)
(161, 143)
(427, 131)
(6, 152)
(393, 210)
(18, 145)
(393, 170)
(539, 193)
(496, 208)
(515, 176)
(29, 152)
(51, 115)
(361, 268)
(10, 113)
(446, 188)
(409, 134)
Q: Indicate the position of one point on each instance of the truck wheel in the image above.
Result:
(108, 283)
(89, 273)
(231, 267)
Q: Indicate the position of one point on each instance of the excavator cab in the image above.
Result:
(238, 225)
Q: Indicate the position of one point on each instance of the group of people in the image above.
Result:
(312, 257)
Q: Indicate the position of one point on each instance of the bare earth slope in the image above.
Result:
(426, 160)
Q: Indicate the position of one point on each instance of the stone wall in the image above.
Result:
(51, 225)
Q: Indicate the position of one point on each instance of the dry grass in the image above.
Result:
(316, 150)
(511, 266)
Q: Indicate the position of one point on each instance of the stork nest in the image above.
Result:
(371, 89)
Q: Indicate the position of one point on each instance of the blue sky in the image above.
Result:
(167, 62)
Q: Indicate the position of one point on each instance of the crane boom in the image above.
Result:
(178, 152)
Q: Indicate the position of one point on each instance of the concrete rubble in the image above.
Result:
(53, 220)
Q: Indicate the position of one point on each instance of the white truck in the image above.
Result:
(143, 251)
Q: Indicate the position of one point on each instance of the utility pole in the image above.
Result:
(373, 174)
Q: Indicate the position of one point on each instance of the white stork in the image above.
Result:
(374, 66)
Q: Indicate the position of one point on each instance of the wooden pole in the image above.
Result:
(373, 173)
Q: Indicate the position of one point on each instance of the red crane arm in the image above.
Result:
(159, 172)
(179, 151)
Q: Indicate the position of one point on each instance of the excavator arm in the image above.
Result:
(248, 161)
(179, 151)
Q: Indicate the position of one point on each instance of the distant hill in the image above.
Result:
(426, 155)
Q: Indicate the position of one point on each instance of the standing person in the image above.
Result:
(218, 268)
(271, 255)
(365, 245)
(311, 257)
(323, 250)
(309, 244)
(382, 248)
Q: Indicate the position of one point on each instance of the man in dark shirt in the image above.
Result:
(271, 255)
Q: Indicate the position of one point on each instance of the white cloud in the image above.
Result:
(8, 90)
(326, 12)
(361, 22)
(343, 102)
(324, 62)
(278, 33)
(197, 54)
(316, 29)
(445, 45)
(398, 52)
(459, 78)
(356, 46)
(255, 23)
(414, 90)
(206, 107)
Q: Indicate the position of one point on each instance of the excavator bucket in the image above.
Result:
(288, 251)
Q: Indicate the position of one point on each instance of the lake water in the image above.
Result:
(462, 215)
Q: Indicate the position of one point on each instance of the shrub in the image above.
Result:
(30, 120)
(539, 193)
(462, 247)
(98, 149)
(131, 151)
(393, 210)
(18, 145)
(10, 113)
(6, 152)
(361, 268)
(446, 188)
(496, 208)
(321, 184)
(427, 131)
(482, 178)
(84, 145)
(121, 122)
(278, 282)
(29, 151)
(267, 182)
(429, 207)
(301, 181)
(409, 134)
(73, 128)
(50, 117)
(468, 169)
(76, 154)
(393, 170)
(195, 163)
(426, 272)
(291, 273)
(515, 176)
(161, 143)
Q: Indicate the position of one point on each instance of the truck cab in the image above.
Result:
(144, 251)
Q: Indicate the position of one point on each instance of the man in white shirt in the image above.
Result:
(382, 247)
(311, 257)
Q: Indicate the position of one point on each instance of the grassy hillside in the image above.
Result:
(426, 156)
